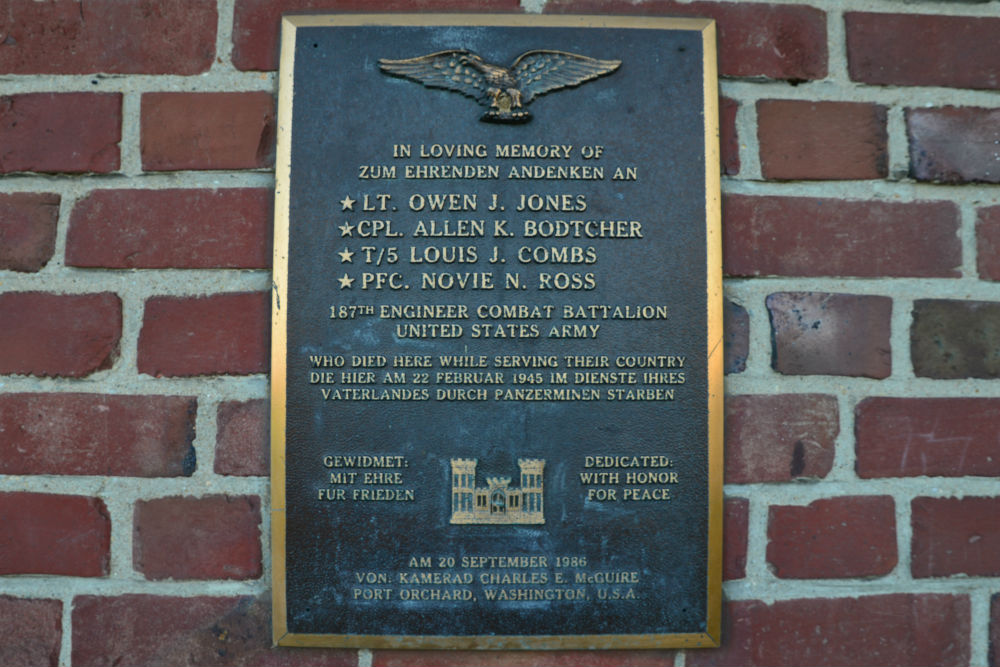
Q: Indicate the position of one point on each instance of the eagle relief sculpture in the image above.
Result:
(504, 90)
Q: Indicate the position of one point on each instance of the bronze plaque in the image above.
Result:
(497, 340)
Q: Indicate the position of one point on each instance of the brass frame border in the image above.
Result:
(279, 322)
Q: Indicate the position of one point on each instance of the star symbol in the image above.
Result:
(347, 203)
(347, 229)
(346, 282)
(346, 255)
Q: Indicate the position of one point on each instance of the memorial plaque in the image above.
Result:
(497, 340)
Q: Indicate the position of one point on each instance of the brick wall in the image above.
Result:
(861, 160)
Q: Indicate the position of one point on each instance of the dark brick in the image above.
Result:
(734, 541)
(994, 650)
(955, 339)
(803, 236)
(215, 537)
(729, 140)
(244, 437)
(870, 631)
(988, 243)
(60, 132)
(212, 335)
(54, 534)
(802, 140)
(32, 631)
(256, 23)
(154, 631)
(943, 437)
(27, 230)
(134, 37)
(815, 333)
(92, 434)
(184, 229)
(737, 337)
(207, 131)
(759, 40)
(780, 438)
(59, 335)
(955, 536)
(954, 144)
(849, 536)
(923, 50)
(523, 659)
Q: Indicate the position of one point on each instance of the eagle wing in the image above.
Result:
(457, 70)
(540, 72)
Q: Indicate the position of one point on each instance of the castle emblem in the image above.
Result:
(497, 502)
(505, 90)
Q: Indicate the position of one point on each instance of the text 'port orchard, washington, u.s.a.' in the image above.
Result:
(497, 336)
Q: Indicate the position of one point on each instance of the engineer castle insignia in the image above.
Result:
(504, 90)
(497, 502)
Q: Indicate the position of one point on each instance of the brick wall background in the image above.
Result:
(861, 160)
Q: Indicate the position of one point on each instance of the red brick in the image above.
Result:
(212, 335)
(523, 659)
(207, 131)
(816, 333)
(803, 236)
(27, 230)
(994, 650)
(852, 536)
(153, 631)
(183, 229)
(923, 50)
(734, 545)
(988, 243)
(92, 434)
(942, 437)
(955, 536)
(759, 40)
(736, 341)
(33, 631)
(953, 339)
(136, 37)
(54, 132)
(780, 438)
(54, 534)
(801, 140)
(256, 23)
(954, 144)
(59, 335)
(215, 537)
(898, 630)
(242, 446)
(729, 140)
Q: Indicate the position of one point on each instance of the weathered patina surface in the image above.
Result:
(497, 337)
